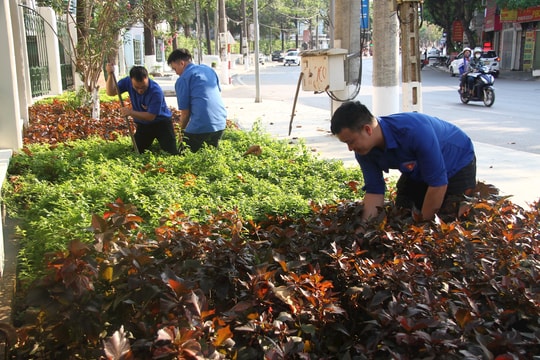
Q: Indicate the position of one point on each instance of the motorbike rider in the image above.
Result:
(464, 67)
(474, 65)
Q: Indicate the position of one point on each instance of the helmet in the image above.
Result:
(477, 50)
(467, 49)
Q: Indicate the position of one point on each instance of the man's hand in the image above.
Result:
(109, 68)
(126, 111)
(417, 215)
(372, 203)
(110, 85)
(433, 201)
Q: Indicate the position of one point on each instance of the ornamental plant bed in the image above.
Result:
(301, 284)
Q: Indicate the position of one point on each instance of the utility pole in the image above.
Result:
(407, 11)
(346, 30)
(257, 64)
(385, 64)
(245, 36)
(332, 22)
(216, 28)
(223, 43)
(198, 26)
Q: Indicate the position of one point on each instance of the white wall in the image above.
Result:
(10, 119)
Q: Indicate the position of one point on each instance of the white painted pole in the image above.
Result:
(385, 59)
(257, 64)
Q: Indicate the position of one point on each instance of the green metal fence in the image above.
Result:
(37, 53)
(64, 46)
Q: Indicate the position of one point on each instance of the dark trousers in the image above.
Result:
(470, 82)
(162, 130)
(411, 193)
(195, 141)
(463, 81)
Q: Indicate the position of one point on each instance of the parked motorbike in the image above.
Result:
(482, 87)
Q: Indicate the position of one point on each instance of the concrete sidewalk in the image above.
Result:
(514, 173)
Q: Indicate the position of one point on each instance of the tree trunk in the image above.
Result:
(149, 46)
(187, 30)
(174, 42)
(95, 104)
(207, 31)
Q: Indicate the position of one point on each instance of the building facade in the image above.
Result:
(515, 35)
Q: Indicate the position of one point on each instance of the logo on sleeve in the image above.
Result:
(408, 166)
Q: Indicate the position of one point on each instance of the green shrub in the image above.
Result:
(56, 189)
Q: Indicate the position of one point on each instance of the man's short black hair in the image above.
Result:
(179, 54)
(351, 115)
(139, 73)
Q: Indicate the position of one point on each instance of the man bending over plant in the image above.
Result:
(149, 110)
(203, 117)
(436, 159)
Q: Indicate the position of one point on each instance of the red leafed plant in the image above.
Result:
(288, 288)
(319, 287)
(55, 122)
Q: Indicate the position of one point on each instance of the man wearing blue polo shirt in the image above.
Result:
(203, 115)
(148, 109)
(436, 159)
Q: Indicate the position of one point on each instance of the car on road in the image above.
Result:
(489, 58)
(433, 53)
(277, 56)
(292, 58)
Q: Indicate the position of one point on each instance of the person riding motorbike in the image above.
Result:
(464, 68)
(474, 65)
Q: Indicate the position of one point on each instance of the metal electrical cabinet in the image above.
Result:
(323, 70)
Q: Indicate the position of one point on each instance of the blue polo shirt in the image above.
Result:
(423, 147)
(198, 91)
(152, 101)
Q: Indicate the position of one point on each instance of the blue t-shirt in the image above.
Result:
(152, 101)
(198, 91)
(423, 147)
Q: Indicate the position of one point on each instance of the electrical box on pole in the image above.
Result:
(408, 15)
(323, 70)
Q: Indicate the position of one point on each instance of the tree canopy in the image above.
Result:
(517, 4)
(444, 13)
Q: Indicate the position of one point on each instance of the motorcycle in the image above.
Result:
(482, 87)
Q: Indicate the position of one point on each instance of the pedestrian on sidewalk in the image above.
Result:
(436, 159)
(152, 116)
(203, 116)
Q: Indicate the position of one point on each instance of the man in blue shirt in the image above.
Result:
(203, 115)
(149, 110)
(436, 159)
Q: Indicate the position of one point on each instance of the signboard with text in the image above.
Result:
(364, 14)
(528, 50)
(492, 20)
(457, 31)
(522, 15)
